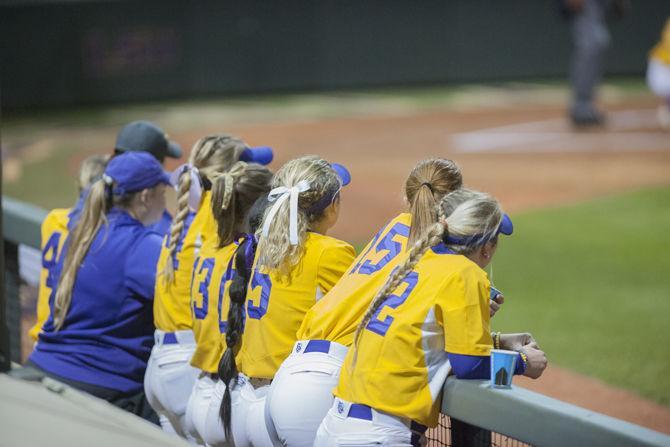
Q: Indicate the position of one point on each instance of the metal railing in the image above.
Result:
(478, 414)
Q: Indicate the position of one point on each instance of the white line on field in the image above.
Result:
(556, 135)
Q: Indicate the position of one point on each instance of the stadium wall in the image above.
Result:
(57, 53)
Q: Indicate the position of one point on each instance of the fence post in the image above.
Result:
(466, 435)
(12, 299)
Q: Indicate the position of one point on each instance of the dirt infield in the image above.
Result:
(527, 157)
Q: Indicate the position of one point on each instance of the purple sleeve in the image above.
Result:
(477, 367)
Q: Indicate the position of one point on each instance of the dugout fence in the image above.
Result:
(473, 413)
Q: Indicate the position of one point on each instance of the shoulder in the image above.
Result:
(57, 219)
(321, 243)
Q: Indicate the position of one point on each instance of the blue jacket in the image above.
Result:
(108, 331)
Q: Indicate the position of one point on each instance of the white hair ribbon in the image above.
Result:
(195, 191)
(279, 196)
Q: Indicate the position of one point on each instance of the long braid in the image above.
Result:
(431, 237)
(177, 226)
(244, 257)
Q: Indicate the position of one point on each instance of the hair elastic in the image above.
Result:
(428, 185)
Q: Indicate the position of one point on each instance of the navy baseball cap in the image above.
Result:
(262, 155)
(145, 136)
(342, 173)
(134, 171)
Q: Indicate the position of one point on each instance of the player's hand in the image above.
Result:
(537, 362)
(516, 342)
(495, 303)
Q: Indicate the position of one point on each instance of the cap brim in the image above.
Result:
(174, 150)
(342, 173)
(165, 178)
(262, 155)
(506, 226)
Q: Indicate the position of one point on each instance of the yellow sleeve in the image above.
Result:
(462, 310)
(333, 263)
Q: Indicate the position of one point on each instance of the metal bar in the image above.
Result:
(21, 222)
(538, 419)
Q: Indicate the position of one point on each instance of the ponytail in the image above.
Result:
(238, 292)
(177, 227)
(210, 156)
(93, 216)
(428, 182)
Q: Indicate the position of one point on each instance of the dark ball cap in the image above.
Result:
(145, 136)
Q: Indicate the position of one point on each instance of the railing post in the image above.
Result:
(466, 435)
(12, 299)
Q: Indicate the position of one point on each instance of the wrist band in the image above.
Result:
(496, 340)
(524, 359)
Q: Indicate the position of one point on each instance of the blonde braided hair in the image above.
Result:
(211, 155)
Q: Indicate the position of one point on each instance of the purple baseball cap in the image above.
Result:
(134, 171)
(342, 173)
(262, 155)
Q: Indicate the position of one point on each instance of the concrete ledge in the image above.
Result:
(540, 420)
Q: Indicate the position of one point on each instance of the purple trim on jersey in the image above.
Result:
(441, 249)
(317, 346)
(360, 411)
(108, 331)
(472, 367)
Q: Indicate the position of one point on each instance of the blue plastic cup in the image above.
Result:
(502, 367)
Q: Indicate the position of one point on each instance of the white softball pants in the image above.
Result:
(658, 78)
(198, 403)
(344, 427)
(169, 378)
(301, 393)
(247, 416)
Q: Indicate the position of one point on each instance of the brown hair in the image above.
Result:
(428, 182)
(233, 193)
(91, 170)
(211, 156)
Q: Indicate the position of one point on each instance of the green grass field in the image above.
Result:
(592, 283)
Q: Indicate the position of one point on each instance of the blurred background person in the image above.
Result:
(658, 75)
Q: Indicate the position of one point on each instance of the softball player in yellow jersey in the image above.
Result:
(429, 318)
(296, 264)
(301, 392)
(233, 194)
(54, 232)
(169, 378)
(658, 74)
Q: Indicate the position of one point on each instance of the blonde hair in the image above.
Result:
(211, 155)
(462, 213)
(428, 182)
(233, 193)
(275, 250)
(91, 170)
(93, 217)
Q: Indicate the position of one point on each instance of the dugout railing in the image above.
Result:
(475, 414)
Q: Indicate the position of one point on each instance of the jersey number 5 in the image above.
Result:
(263, 281)
(392, 247)
(393, 301)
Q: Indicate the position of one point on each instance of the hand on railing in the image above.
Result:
(536, 362)
(515, 342)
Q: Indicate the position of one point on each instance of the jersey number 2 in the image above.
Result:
(393, 301)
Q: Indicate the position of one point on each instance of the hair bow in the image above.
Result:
(279, 196)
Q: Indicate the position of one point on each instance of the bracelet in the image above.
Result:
(496, 340)
(524, 359)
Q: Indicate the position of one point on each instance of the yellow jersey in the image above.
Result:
(276, 306)
(54, 232)
(661, 51)
(172, 302)
(336, 316)
(210, 300)
(442, 305)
